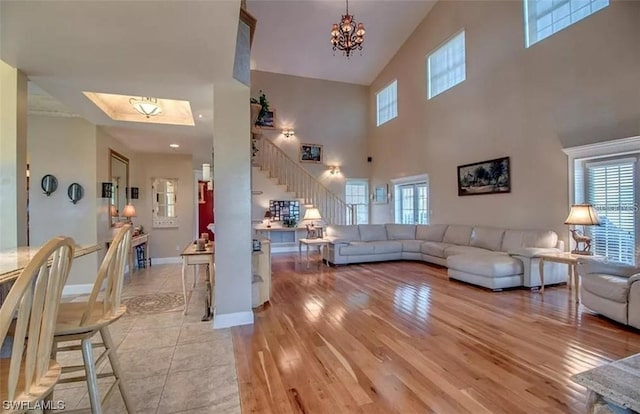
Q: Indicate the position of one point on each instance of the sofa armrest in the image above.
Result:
(633, 278)
(608, 268)
(531, 252)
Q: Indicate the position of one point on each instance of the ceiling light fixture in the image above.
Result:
(174, 145)
(146, 106)
(288, 132)
(347, 36)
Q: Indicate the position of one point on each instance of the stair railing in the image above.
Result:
(302, 183)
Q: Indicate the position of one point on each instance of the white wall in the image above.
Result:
(579, 86)
(65, 148)
(165, 242)
(332, 114)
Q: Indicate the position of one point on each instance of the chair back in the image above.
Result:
(33, 302)
(111, 275)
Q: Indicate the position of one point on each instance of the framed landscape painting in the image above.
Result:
(486, 177)
(311, 153)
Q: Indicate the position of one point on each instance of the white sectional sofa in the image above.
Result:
(491, 257)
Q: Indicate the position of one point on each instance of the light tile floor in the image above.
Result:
(172, 363)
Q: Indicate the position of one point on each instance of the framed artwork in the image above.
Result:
(282, 210)
(268, 121)
(381, 194)
(311, 153)
(486, 177)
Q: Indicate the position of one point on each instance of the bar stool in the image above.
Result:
(83, 320)
(29, 312)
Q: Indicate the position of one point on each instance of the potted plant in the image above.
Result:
(264, 106)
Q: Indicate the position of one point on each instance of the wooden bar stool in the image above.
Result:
(29, 312)
(83, 320)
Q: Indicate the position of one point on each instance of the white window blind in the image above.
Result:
(413, 203)
(357, 195)
(446, 66)
(546, 17)
(387, 103)
(611, 188)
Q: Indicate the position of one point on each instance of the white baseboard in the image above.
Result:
(77, 289)
(165, 260)
(228, 320)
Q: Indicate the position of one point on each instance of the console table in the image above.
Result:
(191, 256)
(618, 382)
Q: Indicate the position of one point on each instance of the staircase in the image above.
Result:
(297, 180)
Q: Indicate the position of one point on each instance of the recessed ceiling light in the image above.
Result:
(174, 145)
(199, 115)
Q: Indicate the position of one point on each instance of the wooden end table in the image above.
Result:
(571, 260)
(321, 243)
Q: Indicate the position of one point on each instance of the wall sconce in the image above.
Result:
(288, 132)
(75, 192)
(107, 190)
(49, 184)
(334, 170)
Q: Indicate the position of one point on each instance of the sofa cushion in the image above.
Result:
(486, 264)
(372, 232)
(610, 287)
(457, 234)
(487, 238)
(400, 231)
(343, 234)
(434, 248)
(454, 249)
(356, 248)
(381, 247)
(431, 232)
(515, 239)
(411, 246)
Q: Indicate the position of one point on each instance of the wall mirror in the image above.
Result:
(165, 200)
(119, 173)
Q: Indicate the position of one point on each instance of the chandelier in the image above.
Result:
(347, 36)
(146, 106)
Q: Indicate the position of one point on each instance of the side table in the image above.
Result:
(321, 243)
(571, 260)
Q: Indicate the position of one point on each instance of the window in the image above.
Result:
(412, 200)
(446, 66)
(387, 103)
(542, 18)
(611, 188)
(357, 195)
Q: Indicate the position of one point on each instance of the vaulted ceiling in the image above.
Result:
(179, 49)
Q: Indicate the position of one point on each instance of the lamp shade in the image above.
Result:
(583, 214)
(312, 214)
(129, 211)
(267, 214)
(113, 211)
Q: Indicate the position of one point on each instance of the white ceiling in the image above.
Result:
(179, 49)
(292, 37)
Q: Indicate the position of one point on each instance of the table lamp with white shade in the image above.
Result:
(582, 215)
(310, 215)
(129, 211)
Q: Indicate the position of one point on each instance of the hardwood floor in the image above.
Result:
(399, 337)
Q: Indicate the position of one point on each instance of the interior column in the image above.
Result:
(13, 157)
(232, 203)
